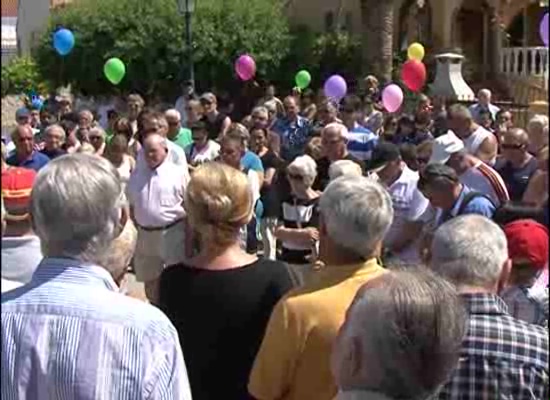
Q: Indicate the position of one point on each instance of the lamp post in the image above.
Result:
(187, 7)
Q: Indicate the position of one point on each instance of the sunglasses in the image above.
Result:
(512, 146)
(95, 137)
(295, 177)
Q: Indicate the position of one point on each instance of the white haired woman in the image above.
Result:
(299, 232)
(344, 168)
(537, 129)
(221, 300)
(97, 136)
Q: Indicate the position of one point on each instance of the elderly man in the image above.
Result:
(516, 166)
(293, 130)
(409, 205)
(334, 141)
(83, 324)
(21, 251)
(25, 155)
(449, 149)
(260, 118)
(85, 119)
(294, 359)
(537, 129)
(156, 191)
(401, 338)
(176, 133)
(501, 357)
(54, 138)
(477, 140)
(361, 141)
(441, 186)
(134, 104)
(483, 104)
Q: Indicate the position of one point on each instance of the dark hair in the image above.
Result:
(112, 113)
(352, 102)
(68, 126)
(126, 129)
(390, 119)
(70, 116)
(118, 141)
(408, 153)
(513, 211)
(308, 94)
(406, 120)
(438, 176)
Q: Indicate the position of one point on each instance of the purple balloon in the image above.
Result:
(335, 87)
(245, 66)
(544, 29)
(392, 97)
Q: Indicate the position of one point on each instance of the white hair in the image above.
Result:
(172, 112)
(341, 129)
(344, 168)
(99, 130)
(260, 110)
(485, 92)
(305, 166)
(76, 206)
(409, 326)
(469, 250)
(56, 127)
(357, 212)
(538, 121)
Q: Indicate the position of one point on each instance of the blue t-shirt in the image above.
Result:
(251, 161)
(361, 142)
(36, 161)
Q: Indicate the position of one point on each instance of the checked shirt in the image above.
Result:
(502, 358)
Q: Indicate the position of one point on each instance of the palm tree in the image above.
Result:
(377, 32)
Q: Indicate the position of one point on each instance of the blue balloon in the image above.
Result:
(63, 41)
(37, 103)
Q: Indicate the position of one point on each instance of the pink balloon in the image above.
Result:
(245, 66)
(392, 97)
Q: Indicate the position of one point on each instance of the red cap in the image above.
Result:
(527, 242)
(16, 190)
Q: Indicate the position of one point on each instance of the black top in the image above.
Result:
(269, 194)
(298, 214)
(323, 166)
(516, 179)
(221, 318)
(54, 153)
(214, 127)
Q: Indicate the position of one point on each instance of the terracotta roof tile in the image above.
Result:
(9, 8)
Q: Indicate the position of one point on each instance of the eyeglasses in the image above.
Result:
(295, 177)
(512, 146)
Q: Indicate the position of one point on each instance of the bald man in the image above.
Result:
(484, 97)
(156, 192)
(516, 166)
(176, 133)
(24, 155)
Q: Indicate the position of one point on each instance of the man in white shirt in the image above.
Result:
(449, 149)
(156, 193)
(477, 140)
(409, 205)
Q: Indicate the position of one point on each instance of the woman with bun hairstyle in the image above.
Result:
(221, 300)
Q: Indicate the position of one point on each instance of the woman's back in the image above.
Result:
(221, 316)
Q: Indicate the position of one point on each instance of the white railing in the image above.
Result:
(525, 62)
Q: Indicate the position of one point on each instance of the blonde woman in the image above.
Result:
(220, 302)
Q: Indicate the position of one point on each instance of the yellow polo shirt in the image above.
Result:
(294, 359)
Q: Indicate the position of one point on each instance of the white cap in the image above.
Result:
(445, 146)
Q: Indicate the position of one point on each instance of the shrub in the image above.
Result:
(149, 37)
(21, 75)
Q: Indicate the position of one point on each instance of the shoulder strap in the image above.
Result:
(500, 189)
(468, 198)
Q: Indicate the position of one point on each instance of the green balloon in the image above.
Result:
(303, 79)
(114, 70)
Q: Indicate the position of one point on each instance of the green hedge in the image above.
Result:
(22, 75)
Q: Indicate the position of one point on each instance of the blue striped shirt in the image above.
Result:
(69, 334)
(361, 142)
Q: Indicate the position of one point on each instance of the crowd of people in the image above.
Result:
(313, 249)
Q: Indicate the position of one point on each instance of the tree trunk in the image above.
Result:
(377, 33)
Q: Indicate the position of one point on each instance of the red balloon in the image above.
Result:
(413, 75)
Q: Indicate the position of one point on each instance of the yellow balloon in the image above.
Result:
(415, 52)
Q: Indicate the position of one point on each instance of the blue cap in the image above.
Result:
(22, 113)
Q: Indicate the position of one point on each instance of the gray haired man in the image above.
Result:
(502, 357)
(69, 333)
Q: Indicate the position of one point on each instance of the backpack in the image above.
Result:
(468, 198)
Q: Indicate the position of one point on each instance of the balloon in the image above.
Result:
(37, 103)
(416, 52)
(392, 97)
(245, 66)
(413, 75)
(63, 41)
(335, 87)
(544, 29)
(303, 79)
(114, 70)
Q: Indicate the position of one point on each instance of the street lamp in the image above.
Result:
(187, 7)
